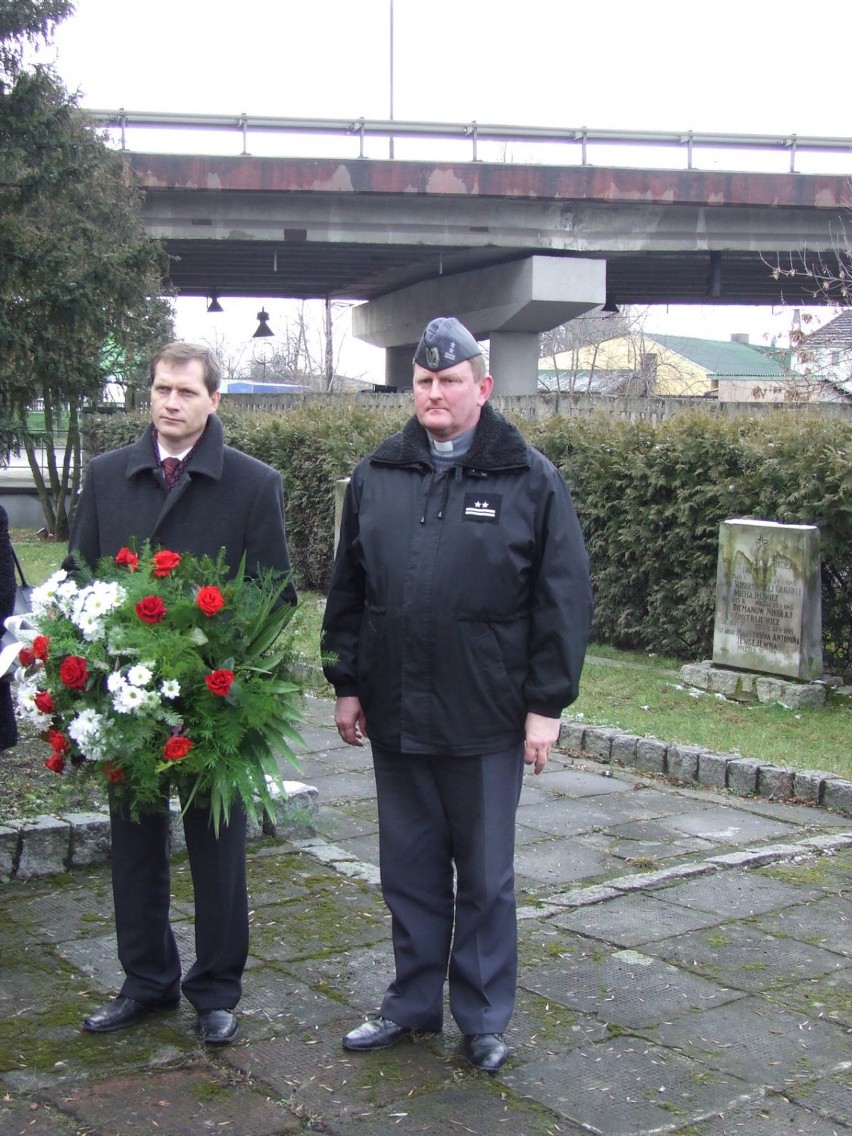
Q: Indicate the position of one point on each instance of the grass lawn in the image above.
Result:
(634, 692)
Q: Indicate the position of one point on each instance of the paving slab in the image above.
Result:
(628, 989)
(192, 1101)
(734, 894)
(753, 1039)
(627, 1087)
(630, 920)
(772, 1116)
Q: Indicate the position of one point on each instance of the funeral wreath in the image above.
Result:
(158, 675)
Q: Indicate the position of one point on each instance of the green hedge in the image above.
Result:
(650, 496)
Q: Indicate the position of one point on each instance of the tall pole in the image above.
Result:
(329, 346)
(390, 139)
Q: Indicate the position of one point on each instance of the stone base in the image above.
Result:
(48, 845)
(747, 686)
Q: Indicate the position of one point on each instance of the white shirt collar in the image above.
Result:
(165, 454)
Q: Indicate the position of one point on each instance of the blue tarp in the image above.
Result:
(241, 386)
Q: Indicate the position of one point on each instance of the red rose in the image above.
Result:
(127, 559)
(58, 742)
(210, 600)
(109, 769)
(74, 672)
(56, 762)
(151, 609)
(26, 657)
(165, 563)
(44, 702)
(41, 645)
(176, 748)
(220, 682)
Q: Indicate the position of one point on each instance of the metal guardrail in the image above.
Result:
(475, 132)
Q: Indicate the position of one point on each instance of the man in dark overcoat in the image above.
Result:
(455, 628)
(182, 488)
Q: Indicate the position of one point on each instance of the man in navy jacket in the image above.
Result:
(211, 497)
(456, 623)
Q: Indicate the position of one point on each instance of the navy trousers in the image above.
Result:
(447, 846)
(141, 890)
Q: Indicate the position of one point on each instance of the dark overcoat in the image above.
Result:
(225, 499)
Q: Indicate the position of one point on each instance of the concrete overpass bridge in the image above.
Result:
(512, 249)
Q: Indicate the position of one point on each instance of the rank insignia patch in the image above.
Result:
(482, 507)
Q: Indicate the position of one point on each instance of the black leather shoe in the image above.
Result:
(217, 1027)
(485, 1051)
(378, 1033)
(122, 1012)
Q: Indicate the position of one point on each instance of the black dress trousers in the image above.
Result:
(141, 888)
(447, 846)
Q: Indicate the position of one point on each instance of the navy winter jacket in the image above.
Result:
(460, 601)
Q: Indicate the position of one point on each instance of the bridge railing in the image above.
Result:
(580, 139)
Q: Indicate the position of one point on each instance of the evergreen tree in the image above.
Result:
(79, 278)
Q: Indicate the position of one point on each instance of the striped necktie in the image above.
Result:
(171, 471)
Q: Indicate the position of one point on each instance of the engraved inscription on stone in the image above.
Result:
(768, 609)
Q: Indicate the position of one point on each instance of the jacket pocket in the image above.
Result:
(493, 651)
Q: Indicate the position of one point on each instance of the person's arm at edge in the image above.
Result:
(341, 627)
(560, 622)
(85, 534)
(266, 540)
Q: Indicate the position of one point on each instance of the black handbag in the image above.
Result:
(10, 645)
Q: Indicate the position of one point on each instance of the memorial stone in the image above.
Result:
(768, 606)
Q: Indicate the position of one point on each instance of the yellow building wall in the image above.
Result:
(674, 374)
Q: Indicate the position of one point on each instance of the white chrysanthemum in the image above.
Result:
(105, 597)
(44, 593)
(115, 681)
(66, 597)
(128, 700)
(87, 730)
(91, 627)
(44, 596)
(152, 701)
(95, 602)
(25, 699)
(139, 675)
(170, 688)
(86, 727)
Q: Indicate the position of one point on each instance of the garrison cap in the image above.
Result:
(444, 343)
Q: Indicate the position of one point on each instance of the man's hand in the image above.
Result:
(540, 734)
(349, 719)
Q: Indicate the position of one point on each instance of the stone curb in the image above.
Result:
(49, 845)
(694, 765)
(801, 850)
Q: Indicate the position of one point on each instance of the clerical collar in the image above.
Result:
(455, 446)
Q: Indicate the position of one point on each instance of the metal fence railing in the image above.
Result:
(575, 142)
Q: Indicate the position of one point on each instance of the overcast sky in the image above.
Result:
(742, 66)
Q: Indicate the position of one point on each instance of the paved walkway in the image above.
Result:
(686, 967)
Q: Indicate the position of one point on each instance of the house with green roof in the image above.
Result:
(675, 366)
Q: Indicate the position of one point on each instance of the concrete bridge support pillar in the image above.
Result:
(398, 366)
(513, 361)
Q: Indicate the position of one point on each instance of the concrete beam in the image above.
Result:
(507, 303)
